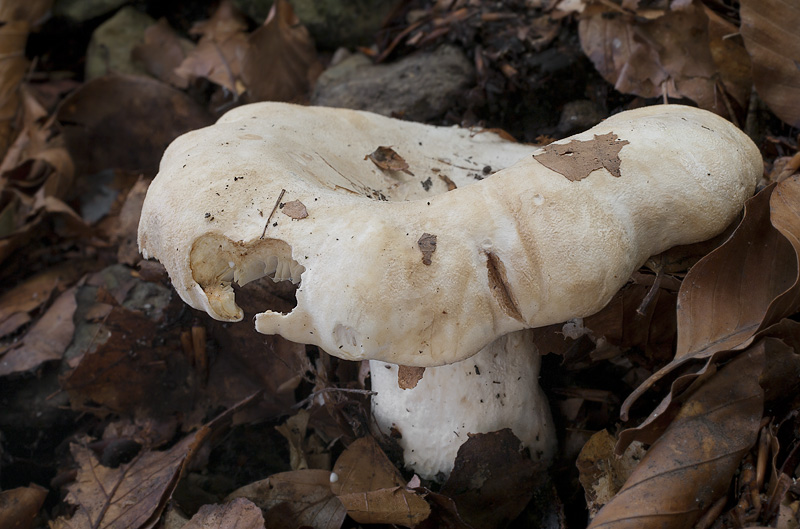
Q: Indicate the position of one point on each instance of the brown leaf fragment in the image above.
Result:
(296, 499)
(578, 159)
(162, 52)
(46, 340)
(602, 473)
(397, 505)
(427, 245)
(91, 118)
(691, 465)
(239, 513)
(449, 183)
(492, 479)
(363, 467)
(388, 160)
(409, 376)
(769, 30)
(19, 507)
(280, 63)
(123, 497)
(295, 209)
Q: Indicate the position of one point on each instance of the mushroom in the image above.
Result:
(425, 246)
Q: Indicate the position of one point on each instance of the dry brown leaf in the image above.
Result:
(692, 463)
(602, 473)
(281, 61)
(103, 134)
(127, 496)
(736, 283)
(492, 480)
(13, 36)
(363, 467)
(730, 57)
(35, 291)
(667, 54)
(769, 30)
(239, 513)
(297, 498)
(162, 52)
(427, 245)
(295, 209)
(294, 430)
(46, 340)
(577, 159)
(372, 489)
(388, 160)
(409, 376)
(125, 229)
(398, 505)
(19, 506)
(220, 52)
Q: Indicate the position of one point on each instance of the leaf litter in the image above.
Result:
(146, 372)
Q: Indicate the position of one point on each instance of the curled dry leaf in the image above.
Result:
(297, 498)
(388, 160)
(19, 506)
(769, 30)
(280, 63)
(692, 463)
(239, 513)
(577, 159)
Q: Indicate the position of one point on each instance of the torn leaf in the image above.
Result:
(388, 160)
(295, 209)
(577, 159)
(427, 245)
(409, 376)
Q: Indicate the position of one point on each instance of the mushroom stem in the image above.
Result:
(495, 389)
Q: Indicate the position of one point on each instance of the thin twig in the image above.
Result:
(328, 390)
(271, 213)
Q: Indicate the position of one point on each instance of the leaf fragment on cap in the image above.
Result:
(388, 160)
(295, 209)
(577, 159)
(427, 245)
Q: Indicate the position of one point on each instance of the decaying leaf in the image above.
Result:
(91, 118)
(660, 53)
(691, 465)
(280, 63)
(219, 54)
(409, 376)
(602, 473)
(46, 340)
(577, 159)
(297, 498)
(126, 496)
(769, 30)
(492, 480)
(295, 209)
(372, 489)
(19, 506)
(427, 245)
(162, 52)
(239, 513)
(388, 160)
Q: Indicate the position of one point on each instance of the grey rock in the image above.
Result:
(112, 42)
(420, 87)
(83, 10)
(332, 23)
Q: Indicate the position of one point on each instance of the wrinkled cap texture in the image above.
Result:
(525, 236)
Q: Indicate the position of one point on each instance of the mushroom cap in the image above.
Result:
(520, 245)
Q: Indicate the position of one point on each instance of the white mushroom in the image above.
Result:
(548, 235)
